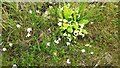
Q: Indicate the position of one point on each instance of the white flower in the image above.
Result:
(91, 53)
(76, 33)
(83, 35)
(46, 12)
(50, 7)
(82, 26)
(59, 39)
(48, 44)
(68, 4)
(64, 34)
(64, 20)
(90, 46)
(78, 15)
(0, 34)
(68, 43)
(14, 66)
(37, 11)
(18, 25)
(69, 35)
(70, 17)
(29, 30)
(55, 53)
(30, 11)
(91, 22)
(77, 11)
(80, 30)
(69, 22)
(61, 8)
(87, 45)
(10, 44)
(70, 39)
(60, 24)
(68, 61)
(50, 2)
(56, 41)
(49, 30)
(60, 19)
(4, 49)
(28, 35)
(102, 6)
(83, 50)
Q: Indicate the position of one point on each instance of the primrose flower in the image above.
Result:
(91, 53)
(68, 43)
(83, 50)
(10, 44)
(28, 35)
(68, 61)
(37, 11)
(76, 33)
(18, 25)
(48, 44)
(4, 49)
(60, 24)
(30, 11)
(29, 30)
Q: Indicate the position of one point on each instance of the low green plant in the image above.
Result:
(70, 23)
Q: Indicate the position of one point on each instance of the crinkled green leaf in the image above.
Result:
(83, 22)
(70, 29)
(67, 12)
(62, 28)
(84, 31)
(65, 25)
(60, 13)
(74, 16)
(75, 25)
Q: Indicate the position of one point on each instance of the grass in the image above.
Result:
(33, 51)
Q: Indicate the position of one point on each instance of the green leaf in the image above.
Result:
(70, 29)
(83, 22)
(75, 25)
(60, 13)
(84, 31)
(67, 12)
(74, 16)
(65, 25)
(62, 28)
